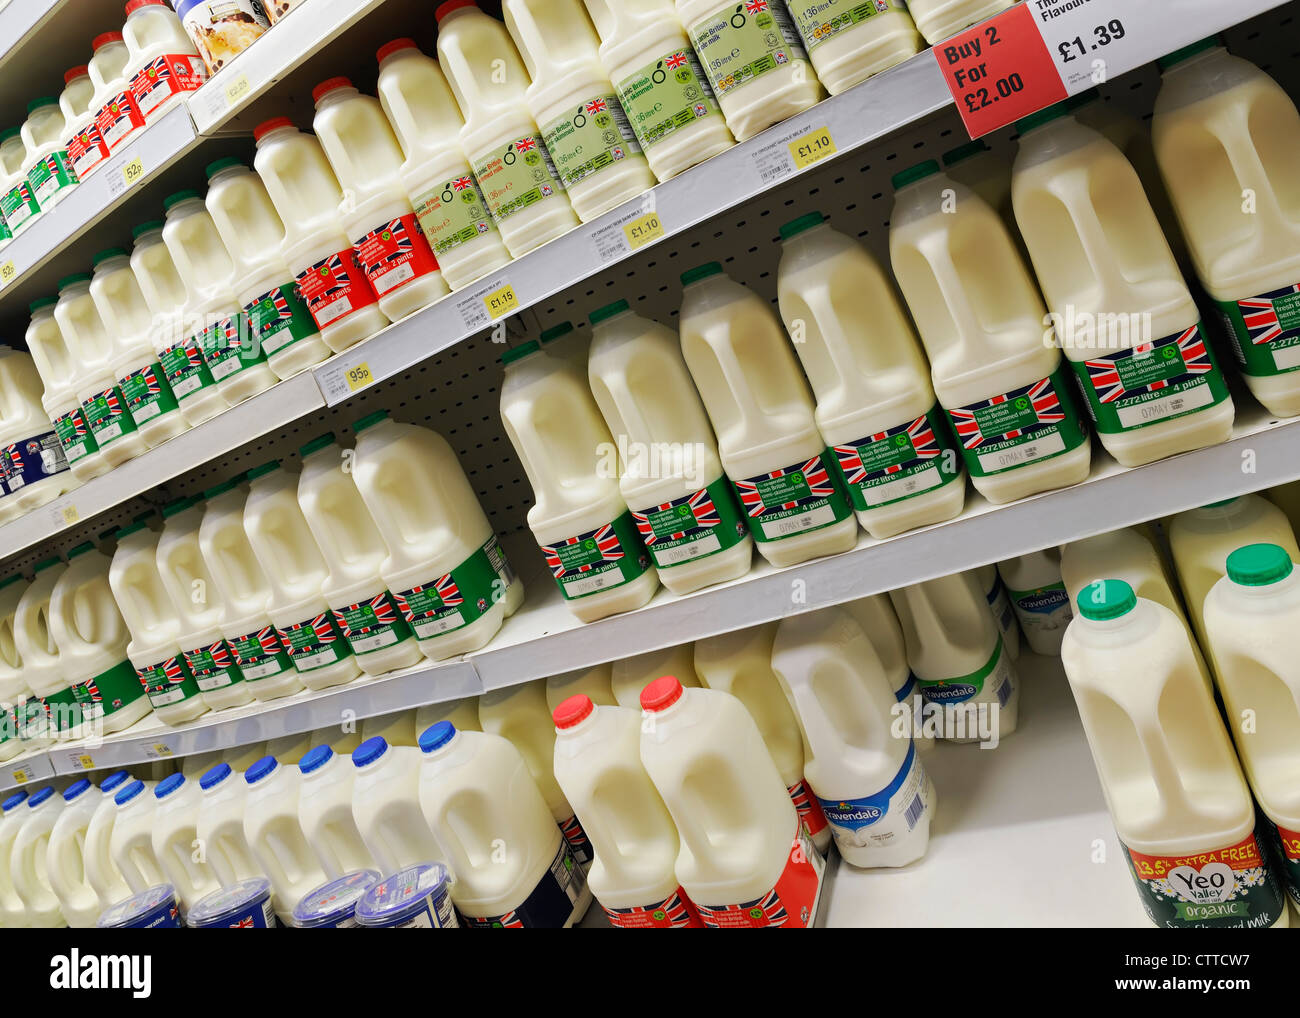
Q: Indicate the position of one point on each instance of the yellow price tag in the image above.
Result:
(69, 513)
(502, 302)
(237, 89)
(162, 749)
(21, 776)
(7, 273)
(85, 763)
(642, 231)
(133, 171)
(359, 377)
(812, 147)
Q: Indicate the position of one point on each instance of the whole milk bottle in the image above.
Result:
(49, 169)
(630, 675)
(763, 416)
(58, 361)
(876, 410)
(325, 812)
(175, 831)
(1181, 807)
(988, 174)
(877, 619)
(165, 65)
(117, 117)
(386, 805)
(940, 19)
(1227, 138)
(19, 208)
(998, 376)
(35, 470)
(848, 43)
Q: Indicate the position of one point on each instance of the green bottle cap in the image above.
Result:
(1106, 599)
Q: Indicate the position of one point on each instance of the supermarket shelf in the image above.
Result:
(26, 768)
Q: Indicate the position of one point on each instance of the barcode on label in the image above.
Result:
(797, 524)
(223, 369)
(914, 811)
(146, 412)
(263, 670)
(588, 584)
(436, 627)
(384, 639)
(392, 279)
(922, 480)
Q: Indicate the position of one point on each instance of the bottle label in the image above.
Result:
(74, 435)
(32, 459)
(1286, 844)
(797, 499)
(598, 560)
(86, 150)
(107, 416)
(1043, 609)
(592, 136)
(213, 667)
(164, 77)
(8, 724)
(51, 175)
(577, 840)
(1000, 604)
(184, 369)
(1151, 383)
(62, 711)
(1026, 425)
(335, 287)
(147, 394)
(993, 681)
(118, 119)
(19, 207)
(229, 348)
(453, 213)
(808, 807)
(108, 692)
(372, 625)
(1265, 331)
(33, 722)
(517, 177)
(279, 318)
(315, 643)
(741, 43)
(692, 527)
(167, 682)
(667, 95)
(791, 903)
(260, 655)
(1232, 887)
(394, 253)
(885, 818)
(676, 912)
(548, 905)
(900, 463)
(819, 20)
(455, 599)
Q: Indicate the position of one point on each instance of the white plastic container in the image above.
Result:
(461, 713)
(18, 206)
(50, 174)
(630, 675)
(1039, 598)
(502, 141)
(940, 19)
(1006, 391)
(13, 911)
(593, 683)
(763, 415)
(999, 602)
(35, 469)
(65, 867)
(988, 174)
(85, 148)
(14, 691)
(325, 812)
(670, 475)
(165, 66)
(221, 825)
(131, 843)
(848, 43)
(117, 117)
(101, 871)
(27, 859)
(58, 362)
(43, 668)
(386, 806)
(275, 837)
(175, 839)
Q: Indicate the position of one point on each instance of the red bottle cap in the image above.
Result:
(105, 39)
(444, 9)
(266, 126)
(389, 48)
(661, 694)
(135, 5)
(329, 85)
(571, 711)
(74, 72)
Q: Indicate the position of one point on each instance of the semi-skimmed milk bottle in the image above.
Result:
(32, 464)
(848, 43)
(101, 872)
(1126, 321)
(878, 621)
(274, 835)
(754, 60)
(634, 841)
(985, 172)
(28, 858)
(593, 683)
(630, 675)
(58, 361)
(579, 516)
(670, 475)
(220, 825)
(65, 866)
(43, 666)
(763, 415)
(325, 812)
(445, 569)
(583, 124)
(1181, 807)
(940, 19)
(386, 806)
(175, 836)
(1225, 137)
(1001, 381)
(1039, 598)
(163, 63)
(502, 141)
(876, 409)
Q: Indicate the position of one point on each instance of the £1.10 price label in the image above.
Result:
(643, 230)
(812, 147)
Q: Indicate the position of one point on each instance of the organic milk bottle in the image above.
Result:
(502, 141)
(64, 864)
(27, 859)
(86, 149)
(682, 503)
(325, 813)
(19, 206)
(658, 79)
(236, 570)
(593, 683)
(848, 44)
(131, 844)
(58, 363)
(1181, 807)
(134, 364)
(965, 673)
(306, 196)
(451, 209)
(740, 663)
(754, 59)
(519, 714)
(174, 838)
(583, 124)
(117, 116)
(43, 666)
(13, 911)
(448, 575)
(277, 317)
(386, 806)
(867, 777)
(476, 792)
(1038, 595)
(630, 675)
(941, 19)
(875, 407)
(764, 419)
(977, 309)
(1252, 620)
(461, 713)
(397, 729)
(279, 537)
(220, 825)
(579, 517)
(355, 551)
(1126, 321)
(386, 237)
(164, 65)
(101, 872)
(34, 468)
(1225, 136)
(598, 765)
(744, 860)
(49, 169)
(276, 840)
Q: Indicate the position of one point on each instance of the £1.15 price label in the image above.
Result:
(501, 302)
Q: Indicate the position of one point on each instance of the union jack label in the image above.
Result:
(373, 624)
(792, 902)
(314, 643)
(107, 416)
(278, 319)
(212, 666)
(1265, 331)
(675, 60)
(86, 150)
(109, 691)
(118, 118)
(793, 500)
(334, 288)
(691, 527)
(452, 213)
(549, 905)
(184, 368)
(167, 682)
(74, 435)
(394, 253)
(595, 136)
(808, 808)
(164, 77)
(676, 912)
(577, 839)
(598, 560)
(147, 394)
(30, 459)
(517, 176)
(259, 654)
(898, 463)
(455, 599)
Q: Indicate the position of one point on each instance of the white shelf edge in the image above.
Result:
(18, 19)
(35, 766)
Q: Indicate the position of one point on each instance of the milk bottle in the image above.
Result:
(13, 911)
(476, 791)
(279, 537)
(289, 748)
(220, 825)
(764, 419)
(13, 686)
(50, 174)
(754, 59)
(58, 362)
(682, 503)
(876, 409)
(43, 666)
(593, 683)
(85, 148)
(660, 83)
(1128, 554)
(961, 663)
(316, 247)
(254, 642)
(451, 209)
(276, 840)
(1181, 807)
(561, 341)
(325, 812)
(740, 663)
(987, 174)
(27, 859)
(390, 247)
(744, 858)
(164, 65)
(64, 865)
(101, 872)
(583, 123)
(461, 713)
(979, 315)
(131, 844)
(18, 206)
(1124, 316)
(876, 618)
(354, 551)
(941, 19)
(34, 468)
(630, 675)
(1039, 598)
(519, 714)
(117, 117)
(386, 806)
(848, 44)
(502, 141)
(175, 836)
(1287, 498)
(999, 601)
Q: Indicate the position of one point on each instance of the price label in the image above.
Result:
(158, 749)
(501, 302)
(83, 762)
(69, 514)
(359, 377)
(813, 147)
(133, 172)
(237, 90)
(643, 230)
(21, 776)
(7, 273)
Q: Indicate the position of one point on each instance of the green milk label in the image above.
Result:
(260, 655)
(184, 368)
(74, 435)
(213, 667)
(452, 601)
(167, 682)
(373, 624)
(517, 176)
(109, 691)
(453, 212)
(228, 348)
(279, 318)
(147, 394)
(107, 416)
(62, 711)
(821, 20)
(740, 43)
(1265, 331)
(797, 499)
(591, 136)
(598, 560)
(692, 527)
(898, 463)
(51, 175)
(315, 643)
(19, 207)
(33, 723)
(666, 95)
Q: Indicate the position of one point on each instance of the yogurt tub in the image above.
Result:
(245, 905)
(413, 898)
(151, 909)
(333, 905)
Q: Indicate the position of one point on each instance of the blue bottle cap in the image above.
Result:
(168, 785)
(128, 793)
(315, 759)
(437, 735)
(261, 769)
(369, 751)
(75, 789)
(215, 776)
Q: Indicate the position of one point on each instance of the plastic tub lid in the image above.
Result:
(443, 9)
(403, 894)
(329, 85)
(14, 801)
(104, 39)
(177, 197)
(168, 785)
(267, 126)
(334, 900)
(73, 73)
(520, 352)
(139, 231)
(797, 226)
(75, 789)
(369, 421)
(128, 793)
(126, 912)
(215, 776)
(1106, 599)
(215, 167)
(369, 751)
(113, 780)
(436, 736)
(229, 902)
(396, 46)
(912, 174)
(314, 759)
(45, 100)
(261, 769)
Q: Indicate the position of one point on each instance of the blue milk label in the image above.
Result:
(1043, 609)
(549, 905)
(885, 817)
(30, 460)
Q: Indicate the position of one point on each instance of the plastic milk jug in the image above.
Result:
(43, 665)
(593, 683)
(630, 675)
(1039, 598)
(995, 593)
(50, 175)
(942, 19)
(175, 833)
(325, 812)
(876, 618)
(15, 695)
(58, 361)
(221, 825)
(117, 117)
(987, 173)
(561, 341)
(101, 871)
(19, 206)
(274, 836)
(386, 806)
(64, 864)
(35, 470)
(86, 150)
(27, 860)
(13, 910)
(848, 44)
(461, 713)
(165, 65)
(131, 844)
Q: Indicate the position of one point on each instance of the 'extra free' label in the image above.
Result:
(1265, 331)
(1287, 845)
(898, 463)
(692, 527)
(741, 42)
(792, 500)
(598, 560)
(455, 599)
